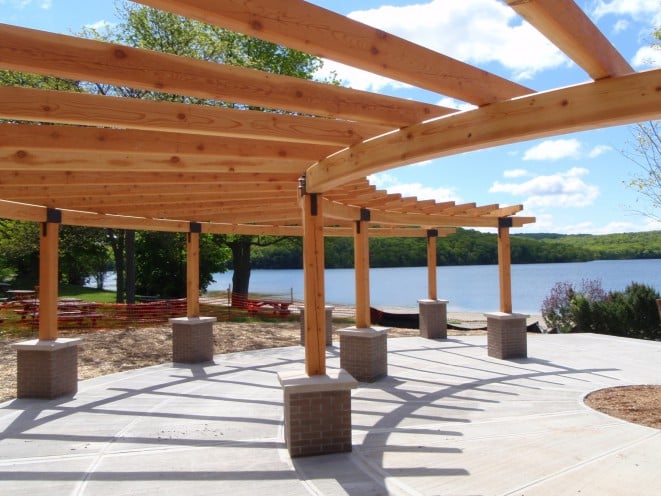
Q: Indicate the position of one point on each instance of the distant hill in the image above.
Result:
(469, 247)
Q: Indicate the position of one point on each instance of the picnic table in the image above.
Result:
(21, 294)
(68, 309)
(279, 307)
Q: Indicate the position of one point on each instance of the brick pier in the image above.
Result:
(317, 412)
(47, 369)
(364, 352)
(506, 335)
(192, 339)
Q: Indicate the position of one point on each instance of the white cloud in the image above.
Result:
(547, 223)
(638, 9)
(599, 150)
(554, 150)
(46, 4)
(621, 26)
(515, 173)
(100, 26)
(647, 57)
(478, 32)
(564, 190)
(392, 185)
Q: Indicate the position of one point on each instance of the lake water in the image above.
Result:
(472, 288)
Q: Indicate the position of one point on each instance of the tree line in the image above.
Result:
(469, 247)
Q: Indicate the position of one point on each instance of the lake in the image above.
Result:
(471, 288)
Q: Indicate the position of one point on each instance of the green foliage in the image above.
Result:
(161, 263)
(631, 313)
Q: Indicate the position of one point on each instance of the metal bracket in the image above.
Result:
(365, 214)
(432, 233)
(314, 209)
(53, 216)
(195, 227)
(301, 186)
(505, 222)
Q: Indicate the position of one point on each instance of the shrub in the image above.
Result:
(632, 313)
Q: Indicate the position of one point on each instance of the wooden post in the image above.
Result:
(313, 276)
(432, 290)
(362, 272)
(48, 276)
(505, 264)
(193, 272)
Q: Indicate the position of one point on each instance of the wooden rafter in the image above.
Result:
(312, 29)
(64, 107)
(566, 25)
(87, 60)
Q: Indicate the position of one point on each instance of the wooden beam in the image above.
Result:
(48, 280)
(229, 181)
(26, 159)
(21, 211)
(603, 103)
(505, 267)
(105, 193)
(313, 274)
(64, 107)
(312, 29)
(362, 274)
(132, 141)
(570, 29)
(69, 57)
(193, 275)
(432, 287)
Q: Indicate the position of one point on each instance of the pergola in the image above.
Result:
(302, 169)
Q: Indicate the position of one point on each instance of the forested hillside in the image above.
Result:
(469, 247)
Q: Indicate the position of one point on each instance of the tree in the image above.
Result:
(153, 29)
(646, 153)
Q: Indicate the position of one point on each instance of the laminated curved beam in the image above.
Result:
(315, 30)
(608, 102)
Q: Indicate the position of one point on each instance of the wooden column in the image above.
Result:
(432, 289)
(193, 272)
(313, 276)
(505, 264)
(361, 252)
(48, 276)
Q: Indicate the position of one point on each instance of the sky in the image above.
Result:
(573, 184)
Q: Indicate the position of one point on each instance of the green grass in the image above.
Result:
(87, 294)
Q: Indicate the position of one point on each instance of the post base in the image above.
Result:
(329, 325)
(192, 339)
(433, 319)
(47, 369)
(317, 412)
(506, 335)
(364, 352)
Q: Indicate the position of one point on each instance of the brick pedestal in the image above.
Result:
(433, 319)
(192, 339)
(317, 412)
(329, 325)
(47, 369)
(364, 352)
(506, 335)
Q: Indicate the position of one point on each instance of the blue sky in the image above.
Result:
(573, 183)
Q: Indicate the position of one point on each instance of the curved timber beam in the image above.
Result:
(608, 102)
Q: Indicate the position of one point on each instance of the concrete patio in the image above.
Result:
(446, 420)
